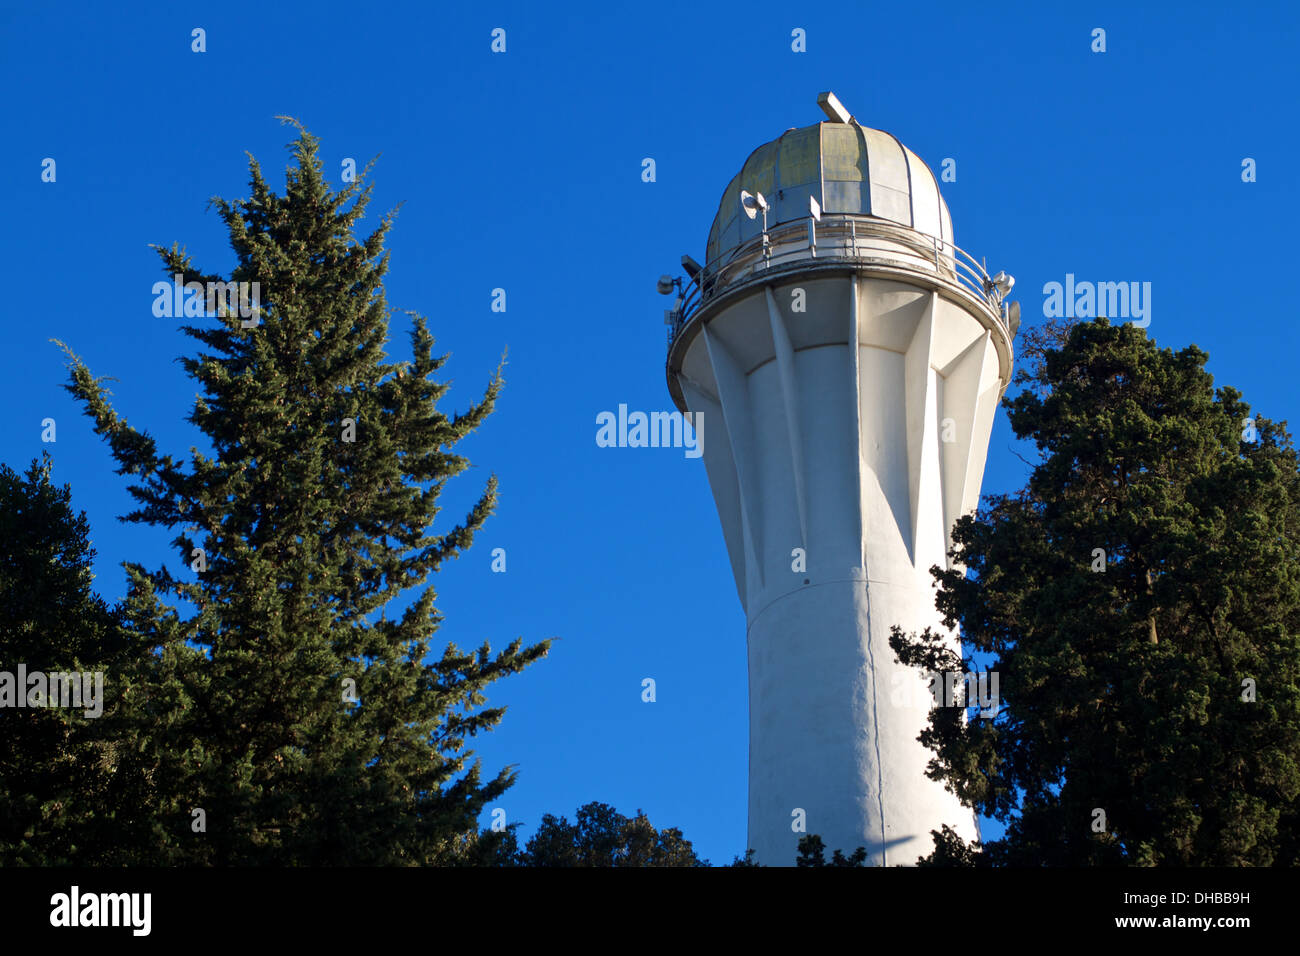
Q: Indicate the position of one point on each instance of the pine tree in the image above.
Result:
(599, 837)
(305, 728)
(812, 852)
(1141, 601)
(68, 793)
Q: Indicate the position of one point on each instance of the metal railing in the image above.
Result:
(839, 238)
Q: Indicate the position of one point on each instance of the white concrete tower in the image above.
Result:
(848, 360)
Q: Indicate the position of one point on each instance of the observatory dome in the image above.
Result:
(847, 168)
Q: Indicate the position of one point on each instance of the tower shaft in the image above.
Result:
(855, 411)
(848, 360)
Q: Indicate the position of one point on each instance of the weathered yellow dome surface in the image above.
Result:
(847, 167)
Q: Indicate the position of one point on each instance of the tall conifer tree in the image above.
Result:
(71, 787)
(1140, 597)
(308, 725)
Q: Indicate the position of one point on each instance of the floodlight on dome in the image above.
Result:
(752, 203)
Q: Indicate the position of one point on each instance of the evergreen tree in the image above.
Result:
(812, 852)
(601, 836)
(1140, 598)
(951, 850)
(67, 793)
(306, 729)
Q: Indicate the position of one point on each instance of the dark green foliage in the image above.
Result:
(308, 538)
(1122, 689)
(951, 850)
(812, 852)
(601, 836)
(67, 793)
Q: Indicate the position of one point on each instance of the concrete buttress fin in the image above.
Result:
(734, 392)
(855, 373)
(721, 468)
(921, 397)
(790, 400)
(970, 394)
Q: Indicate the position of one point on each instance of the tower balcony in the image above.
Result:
(839, 243)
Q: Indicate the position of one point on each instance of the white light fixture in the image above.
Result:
(753, 204)
(815, 214)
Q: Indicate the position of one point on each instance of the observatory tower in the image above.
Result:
(849, 359)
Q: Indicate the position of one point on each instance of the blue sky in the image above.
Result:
(522, 171)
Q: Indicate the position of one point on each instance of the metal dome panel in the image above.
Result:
(847, 168)
(890, 189)
(925, 196)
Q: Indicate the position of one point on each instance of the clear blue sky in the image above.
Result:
(523, 171)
